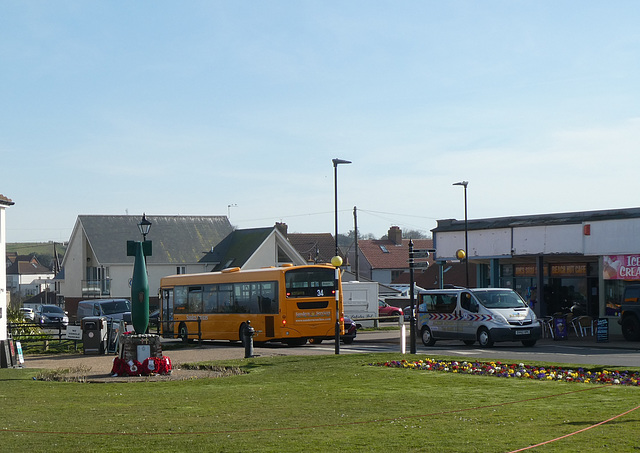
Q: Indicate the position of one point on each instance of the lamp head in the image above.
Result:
(461, 183)
(337, 162)
(336, 261)
(144, 226)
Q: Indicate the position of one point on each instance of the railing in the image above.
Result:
(32, 334)
(96, 288)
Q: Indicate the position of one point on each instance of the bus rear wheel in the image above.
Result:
(183, 333)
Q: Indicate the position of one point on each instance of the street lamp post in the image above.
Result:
(336, 260)
(336, 162)
(466, 230)
(139, 280)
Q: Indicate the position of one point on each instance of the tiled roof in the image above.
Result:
(385, 254)
(5, 201)
(28, 268)
(235, 249)
(307, 243)
(176, 239)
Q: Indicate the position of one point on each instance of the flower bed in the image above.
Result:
(520, 371)
(149, 367)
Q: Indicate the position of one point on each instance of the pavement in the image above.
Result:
(101, 364)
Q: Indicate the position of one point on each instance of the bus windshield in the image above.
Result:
(309, 282)
(500, 299)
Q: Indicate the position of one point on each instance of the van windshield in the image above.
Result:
(116, 306)
(500, 299)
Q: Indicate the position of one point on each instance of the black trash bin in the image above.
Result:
(560, 327)
(94, 335)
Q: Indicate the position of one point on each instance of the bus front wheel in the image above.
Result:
(183, 333)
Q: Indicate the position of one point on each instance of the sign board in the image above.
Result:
(19, 349)
(423, 264)
(602, 330)
(420, 254)
(74, 333)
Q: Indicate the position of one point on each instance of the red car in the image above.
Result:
(384, 309)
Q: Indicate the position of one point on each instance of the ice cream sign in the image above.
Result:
(621, 267)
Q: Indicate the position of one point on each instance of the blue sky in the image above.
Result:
(189, 107)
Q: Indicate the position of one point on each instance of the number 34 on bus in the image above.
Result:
(290, 304)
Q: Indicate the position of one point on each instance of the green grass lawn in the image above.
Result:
(319, 403)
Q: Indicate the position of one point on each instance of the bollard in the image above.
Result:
(403, 336)
(247, 339)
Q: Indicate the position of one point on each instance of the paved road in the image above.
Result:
(616, 353)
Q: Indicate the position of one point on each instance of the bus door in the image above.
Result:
(166, 313)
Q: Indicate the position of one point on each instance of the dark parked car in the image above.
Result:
(350, 330)
(51, 315)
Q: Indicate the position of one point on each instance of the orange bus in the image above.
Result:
(291, 304)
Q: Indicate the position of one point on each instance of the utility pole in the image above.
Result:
(355, 226)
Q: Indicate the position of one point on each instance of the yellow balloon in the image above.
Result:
(336, 261)
(460, 254)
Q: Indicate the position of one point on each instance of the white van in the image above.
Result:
(485, 315)
(115, 309)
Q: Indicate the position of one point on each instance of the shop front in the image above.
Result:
(568, 287)
(578, 262)
(618, 271)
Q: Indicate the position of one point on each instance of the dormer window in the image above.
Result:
(384, 249)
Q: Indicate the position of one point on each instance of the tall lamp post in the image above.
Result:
(139, 280)
(336, 260)
(466, 230)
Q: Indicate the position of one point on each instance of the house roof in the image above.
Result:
(314, 247)
(537, 220)
(5, 201)
(176, 239)
(235, 249)
(27, 267)
(386, 254)
(241, 245)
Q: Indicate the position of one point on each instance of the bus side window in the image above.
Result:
(225, 298)
(180, 299)
(210, 298)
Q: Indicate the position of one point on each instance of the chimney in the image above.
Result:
(395, 235)
(282, 228)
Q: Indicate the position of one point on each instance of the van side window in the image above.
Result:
(439, 303)
(468, 302)
(96, 310)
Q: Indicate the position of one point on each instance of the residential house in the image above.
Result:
(384, 260)
(96, 264)
(315, 248)
(253, 248)
(27, 277)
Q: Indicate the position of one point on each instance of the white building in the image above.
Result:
(4, 296)
(582, 259)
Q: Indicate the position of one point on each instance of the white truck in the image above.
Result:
(360, 301)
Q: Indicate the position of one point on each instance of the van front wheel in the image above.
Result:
(484, 338)
(427, 338)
